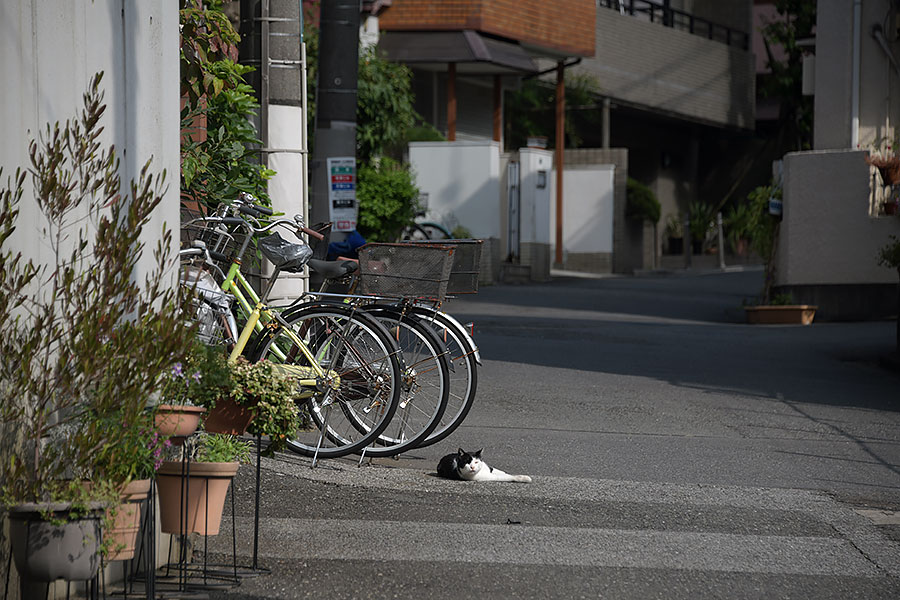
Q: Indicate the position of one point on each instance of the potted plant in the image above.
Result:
(762, 229)
(273, 396)
(702, 222)
(884, 158)
(737, 222)
(134, 459)
(889, 256)
(192, 388)
(213, 386)
(78, 335)
(674, 232)
(642, 208)
(192, 489)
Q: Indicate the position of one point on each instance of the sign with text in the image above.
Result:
(342, 207)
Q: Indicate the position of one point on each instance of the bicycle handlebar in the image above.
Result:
(297, 225)
(247, 204)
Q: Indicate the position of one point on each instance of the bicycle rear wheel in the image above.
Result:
(463, 362)
(357, 399)
(426, 383)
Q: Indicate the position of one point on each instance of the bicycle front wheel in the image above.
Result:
(357, 397)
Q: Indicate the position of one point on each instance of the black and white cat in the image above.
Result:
(470, 467)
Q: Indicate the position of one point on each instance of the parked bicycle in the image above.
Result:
(437, 357)
(345, 363)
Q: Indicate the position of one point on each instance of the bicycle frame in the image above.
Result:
(258, 313)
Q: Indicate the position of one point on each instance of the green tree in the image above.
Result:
(387, 199)
(216, 166)
(384, 113)
(531, 110)
(795, 22)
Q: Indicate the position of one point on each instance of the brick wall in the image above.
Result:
(561, 26)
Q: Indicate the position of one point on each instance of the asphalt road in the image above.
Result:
(676, 453)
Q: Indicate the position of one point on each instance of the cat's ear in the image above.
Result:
(478, 454)
(460, 451)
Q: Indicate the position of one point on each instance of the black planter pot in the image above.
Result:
(676, 245)
(46, 551)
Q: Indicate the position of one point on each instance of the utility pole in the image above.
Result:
(559, 155)
(333, 165)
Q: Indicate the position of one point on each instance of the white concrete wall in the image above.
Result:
(462, 180)
(827, 235)
(51, 49)
(587, 209)
(879, 83)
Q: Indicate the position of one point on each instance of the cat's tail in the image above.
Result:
(520, 478)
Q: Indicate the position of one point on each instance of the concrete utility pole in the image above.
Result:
(560, 154)
(272, 41)
(336, 116)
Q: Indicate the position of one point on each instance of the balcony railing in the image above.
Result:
(662, 13)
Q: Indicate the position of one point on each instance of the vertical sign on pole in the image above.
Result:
(342, 193)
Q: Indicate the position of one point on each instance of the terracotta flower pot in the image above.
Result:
(228, 417)
(123, 536)
(199, 502)
(44, 551)
(888, 167)
(785, 314)
(178, 422)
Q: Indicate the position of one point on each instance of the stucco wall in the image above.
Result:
(51, 49)
(827, 235)
(588, 217)
(879, 85)
(462, 180)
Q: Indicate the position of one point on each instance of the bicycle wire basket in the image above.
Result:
(218, 237)
(414, 271)
(466, 264)
(209, 306)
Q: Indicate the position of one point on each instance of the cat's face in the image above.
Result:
(469, 463)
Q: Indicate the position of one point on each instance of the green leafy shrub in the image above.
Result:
(218, 161)
(424, 133)
(889, 254)
(387, 199)
(218, 447)
(641, 203)
(272, 396)
(703, 220)
(85, 339)
(737, 221)
(200, 379)
(762, 231)
(461, 233)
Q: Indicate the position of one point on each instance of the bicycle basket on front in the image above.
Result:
(287, 256)
(210, 305)
(417, 271)
(217, 237)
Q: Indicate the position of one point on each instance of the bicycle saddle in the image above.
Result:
(332, 269)
(287, 256)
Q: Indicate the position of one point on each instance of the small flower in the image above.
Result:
(177, 370)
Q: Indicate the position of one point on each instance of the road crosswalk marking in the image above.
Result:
(511, 544)
(843, 543)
